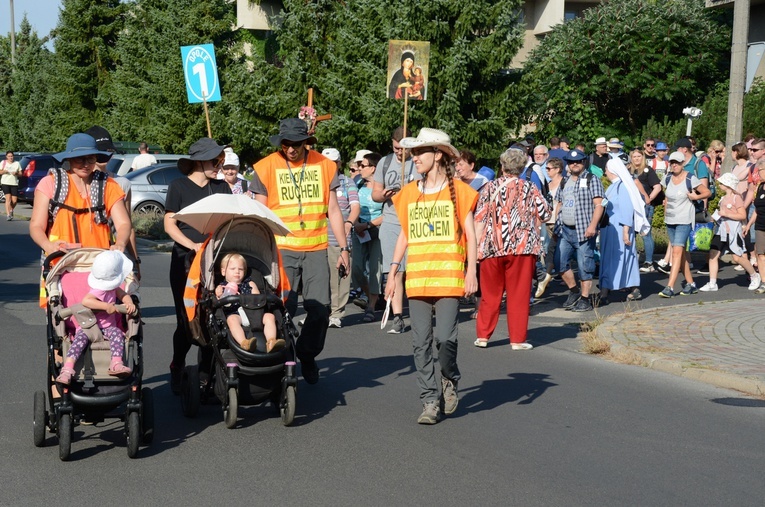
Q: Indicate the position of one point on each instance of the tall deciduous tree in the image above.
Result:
(622, 63)
(340, 49)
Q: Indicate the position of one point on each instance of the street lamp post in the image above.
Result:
(13, 37)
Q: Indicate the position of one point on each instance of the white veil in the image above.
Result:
(616, 166)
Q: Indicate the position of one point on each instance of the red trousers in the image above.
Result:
(511, 273)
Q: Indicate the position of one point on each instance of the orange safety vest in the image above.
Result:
(81, 228)
(299, 195)
(193, 280)
(436, 252)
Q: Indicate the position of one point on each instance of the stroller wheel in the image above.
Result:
(40, 419)
(133, 433)
(230, 412)
(288, 406)
(147, 416)
(190, 395)
(65, 436)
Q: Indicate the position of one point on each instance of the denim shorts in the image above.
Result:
(568, 244)
(678, 234)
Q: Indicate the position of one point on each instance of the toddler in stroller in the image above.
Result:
(234, 268)
(110, 268)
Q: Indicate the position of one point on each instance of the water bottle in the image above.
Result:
(231, 289)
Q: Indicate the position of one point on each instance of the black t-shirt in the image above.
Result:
(600, 161)
(182, 191)
(648, 178)
(759, 206)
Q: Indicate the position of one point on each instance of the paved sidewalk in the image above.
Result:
(719, 343)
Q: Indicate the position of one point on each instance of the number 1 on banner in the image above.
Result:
(199, 70)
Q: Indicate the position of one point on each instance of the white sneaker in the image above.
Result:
(711, 287)
(662, 263)
(754, 282)
(739, 267)
(335, 322)
(521, 346)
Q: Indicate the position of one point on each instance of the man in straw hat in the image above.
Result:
(301, 189)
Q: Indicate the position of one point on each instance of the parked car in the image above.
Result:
(120, 164)
(33, 169)
(149, 187)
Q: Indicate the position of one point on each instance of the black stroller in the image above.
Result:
(239, 377)
(93, 395)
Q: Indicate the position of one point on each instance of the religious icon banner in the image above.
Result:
(408, 66)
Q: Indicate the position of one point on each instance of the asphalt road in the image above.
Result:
(548, 427)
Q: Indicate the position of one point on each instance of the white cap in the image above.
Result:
(231, 158)
(332, 154)
(360, 155)
(677, 157)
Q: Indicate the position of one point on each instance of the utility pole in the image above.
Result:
(737, 77)
(13, 37)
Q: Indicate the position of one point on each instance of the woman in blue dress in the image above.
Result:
(618, 255)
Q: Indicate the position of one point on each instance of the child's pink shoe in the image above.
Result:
(65, 377)
(119, 370)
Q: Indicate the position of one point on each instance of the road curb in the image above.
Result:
(755, 387)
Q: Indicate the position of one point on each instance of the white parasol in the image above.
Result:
(207, 214)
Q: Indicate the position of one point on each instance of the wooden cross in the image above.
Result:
(316, 120)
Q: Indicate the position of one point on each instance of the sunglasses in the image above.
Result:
(649, 145)
(756, 149)
(292, 144)
(80, 161)
(362, 166)
(718, 151)
(416, 152)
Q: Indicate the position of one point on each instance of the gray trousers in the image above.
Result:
(421, 320)
(313, 270)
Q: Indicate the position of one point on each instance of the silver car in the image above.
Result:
(120, 164)
(149, 187)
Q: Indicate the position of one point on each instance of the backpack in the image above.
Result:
(698, 205)
(61, 185)
(701, 156)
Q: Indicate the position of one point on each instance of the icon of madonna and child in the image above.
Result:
(408, 69)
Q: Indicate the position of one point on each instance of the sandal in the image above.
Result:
(635, 295)
(119, 370)
(65, 377)
(474, 314)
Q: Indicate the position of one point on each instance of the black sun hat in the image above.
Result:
(202, 150)
(294, 130)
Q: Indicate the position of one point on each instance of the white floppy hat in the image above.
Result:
(729, 180)
(431, 137)
(360, 155)
(232, 159)
(109, 270)
(332, 154)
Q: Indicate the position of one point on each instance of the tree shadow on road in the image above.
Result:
(740, 402)
(522, 388)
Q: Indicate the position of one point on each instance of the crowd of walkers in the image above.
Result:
(426, 223)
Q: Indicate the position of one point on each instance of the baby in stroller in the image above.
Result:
(110, 268)
(234, 268)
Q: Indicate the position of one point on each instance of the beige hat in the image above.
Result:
(431, 137)
(614, 143)
(600, 140)
(676, 156)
